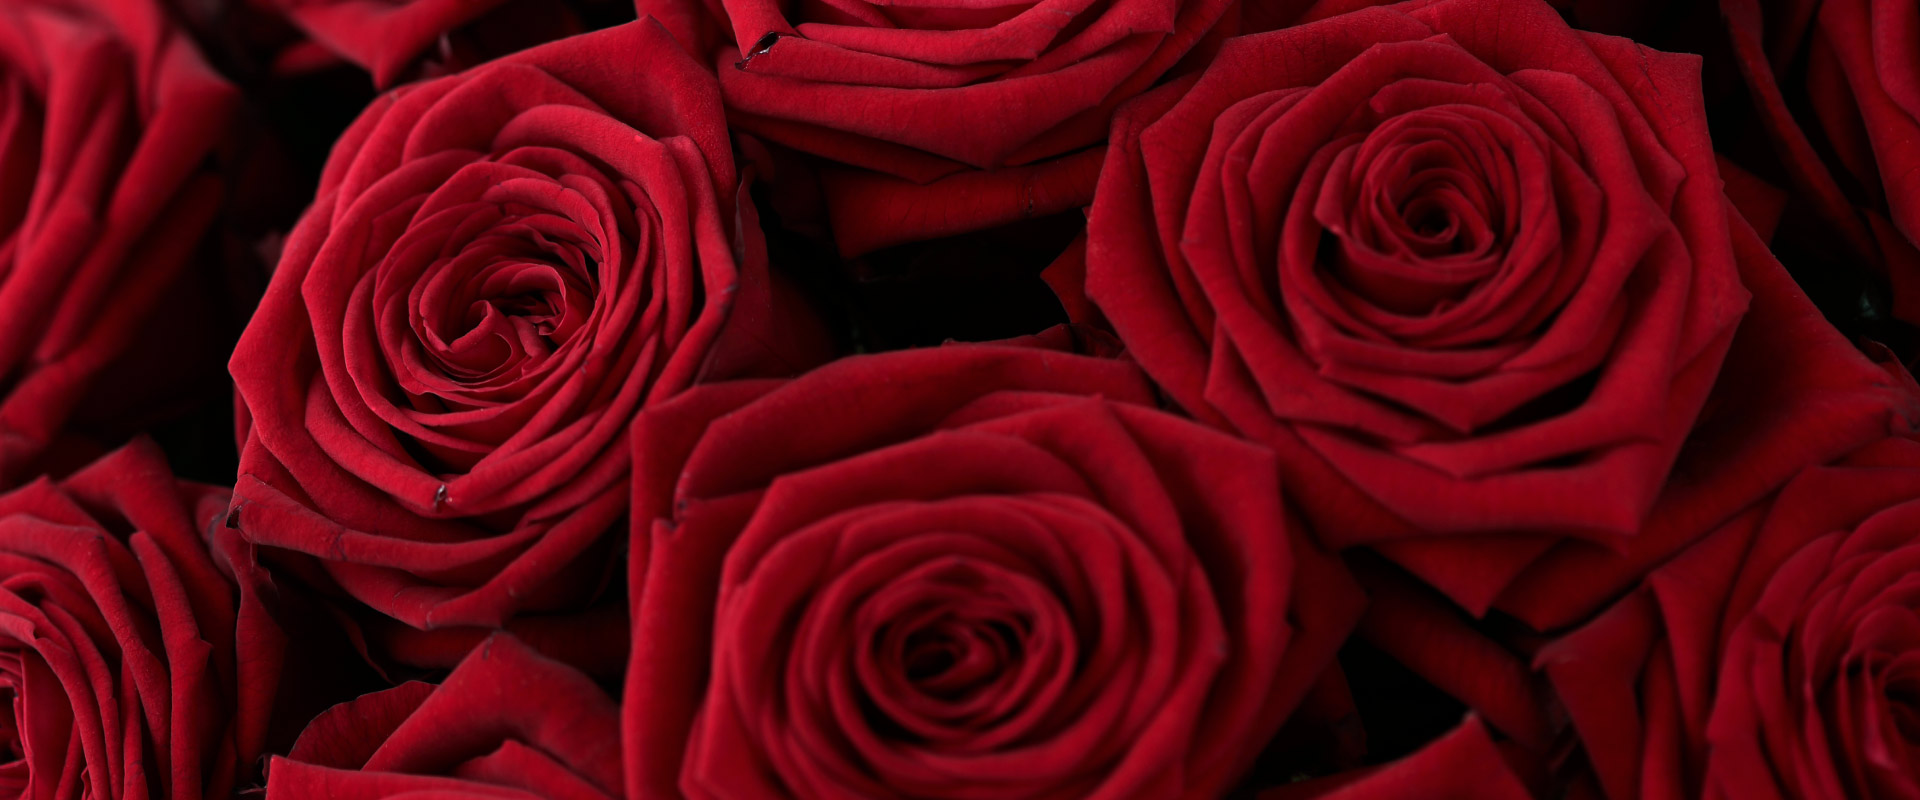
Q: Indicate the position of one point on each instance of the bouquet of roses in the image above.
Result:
(971, 399)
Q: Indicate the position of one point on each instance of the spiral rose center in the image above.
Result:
(1432, 224)
(959, 655)
(1417, 211)
(510, 296)
(955, 648)
(951, 643)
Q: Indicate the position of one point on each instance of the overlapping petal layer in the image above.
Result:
(966, 576)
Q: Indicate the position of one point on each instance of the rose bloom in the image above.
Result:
(972, 571)
(959, 116)
(1837, 90)
(502, 267)
(506, 723)
(133, 665)
(1775, 658)
(1467, 270)
(107, 115)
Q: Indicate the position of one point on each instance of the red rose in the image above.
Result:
(1775, 658)
(501, 269)
(1467, 270)
(505, 724)
(132, 667)
(972, 571)
(927, 96)
(1847, 142)
(107, 114)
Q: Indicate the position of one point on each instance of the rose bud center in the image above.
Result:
(1418, 210)
(954, 648)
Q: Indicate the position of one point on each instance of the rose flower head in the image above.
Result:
(502, 267)
(1466, 269)
(972, 571)
(131, 663)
